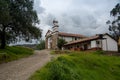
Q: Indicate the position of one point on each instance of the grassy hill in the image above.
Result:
(80, 66)
(13, 53)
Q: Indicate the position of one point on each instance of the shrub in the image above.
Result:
(60, 43)
(41, 46)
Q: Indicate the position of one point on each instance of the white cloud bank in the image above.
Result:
(86, 17)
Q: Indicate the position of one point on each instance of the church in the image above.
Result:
(53, 35)
(79, 42)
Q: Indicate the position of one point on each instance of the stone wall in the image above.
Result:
(54, 40)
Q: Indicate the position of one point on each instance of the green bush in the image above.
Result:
(41, 46)
(60, 43)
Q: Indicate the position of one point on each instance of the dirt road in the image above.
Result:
(22, 69)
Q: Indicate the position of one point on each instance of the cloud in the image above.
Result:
(38, 7)
(86, 17)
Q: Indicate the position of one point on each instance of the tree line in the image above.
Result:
(114, 24)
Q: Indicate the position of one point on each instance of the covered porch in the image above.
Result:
(82, 46)
(91, 43)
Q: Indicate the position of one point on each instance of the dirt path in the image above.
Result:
(22, 69)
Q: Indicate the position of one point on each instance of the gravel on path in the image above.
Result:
(23, 68)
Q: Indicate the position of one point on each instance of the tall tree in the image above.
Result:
(17, 19)
(114, 25)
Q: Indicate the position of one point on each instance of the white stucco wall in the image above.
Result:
(93, 44)
(49, 40)
(89, 46)
(109, 44)
(68, 39)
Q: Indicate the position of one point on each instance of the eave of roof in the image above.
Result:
(70, 35)
(83, 40)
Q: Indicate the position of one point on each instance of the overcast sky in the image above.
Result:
(87, 17)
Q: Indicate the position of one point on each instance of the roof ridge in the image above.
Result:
(71, 34)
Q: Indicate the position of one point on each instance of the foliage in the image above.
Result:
(60, 43)
(80, 66)
(13, 53)
(114, 25)
(17, 21)
(60, 52)
(99, 52)
(41, 45)
(52, 52)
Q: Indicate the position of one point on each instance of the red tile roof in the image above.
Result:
(70, 35)
(84, 40)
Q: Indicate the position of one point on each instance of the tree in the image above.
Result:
(41, 45)
(17, 21)
(61, 43)
(114, 25)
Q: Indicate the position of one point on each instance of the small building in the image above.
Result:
(98, 42)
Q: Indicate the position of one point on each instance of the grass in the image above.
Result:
(14, 53)
(80, 66)
(60, 52)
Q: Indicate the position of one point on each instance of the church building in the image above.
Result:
(53, 35)
(79, 42)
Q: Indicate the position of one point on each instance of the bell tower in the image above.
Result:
(55, 34)
(55, 26)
